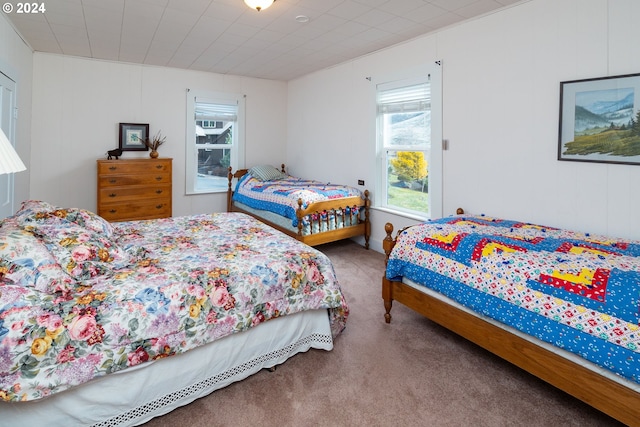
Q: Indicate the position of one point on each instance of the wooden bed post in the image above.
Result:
(387, 290)
(229, 190)
(388, 242)
(367, 222)
(299, 214)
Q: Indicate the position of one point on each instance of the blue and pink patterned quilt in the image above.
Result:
(81, 298)
(576, 291)
(281, 196)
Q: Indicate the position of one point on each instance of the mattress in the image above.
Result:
(565, 354)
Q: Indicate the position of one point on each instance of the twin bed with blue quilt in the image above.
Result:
(562, 305)
(114, 323)
(311, 211)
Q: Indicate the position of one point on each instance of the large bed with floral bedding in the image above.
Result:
(113, 324)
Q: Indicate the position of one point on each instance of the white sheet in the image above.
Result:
(564, 353)
(135, 396)
(279, 220)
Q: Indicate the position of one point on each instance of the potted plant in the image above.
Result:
(154, 143)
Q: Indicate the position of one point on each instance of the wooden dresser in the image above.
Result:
(133, 189)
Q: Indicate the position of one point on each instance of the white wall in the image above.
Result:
(78, 104)
(16, 61)
(501, 79)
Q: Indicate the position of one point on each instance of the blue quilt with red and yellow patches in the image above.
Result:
(577, 291)
(281, 196)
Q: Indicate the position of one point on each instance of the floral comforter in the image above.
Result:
(81, 298)
(577, 291)
(281, 196)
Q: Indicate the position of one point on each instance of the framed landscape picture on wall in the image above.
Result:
(600, 120)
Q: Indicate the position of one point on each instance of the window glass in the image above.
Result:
(215, 141)
(405, 157)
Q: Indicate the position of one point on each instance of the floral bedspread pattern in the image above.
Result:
(79, 301)
(281, 196)
(577, 291)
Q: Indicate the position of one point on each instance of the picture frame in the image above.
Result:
(600, 120)
(132, 136)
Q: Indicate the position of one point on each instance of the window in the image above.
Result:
(215, 140)
(409, 162)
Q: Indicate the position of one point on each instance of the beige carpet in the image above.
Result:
(409, 373)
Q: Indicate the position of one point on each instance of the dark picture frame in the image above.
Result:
(600, 120)
(132, 136)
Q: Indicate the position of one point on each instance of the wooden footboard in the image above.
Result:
(336, 208)
(604, 394)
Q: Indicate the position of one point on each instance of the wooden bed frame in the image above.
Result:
(362, 228)
(604, 394)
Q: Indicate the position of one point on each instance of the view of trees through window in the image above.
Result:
(407, 140)
(408, 181)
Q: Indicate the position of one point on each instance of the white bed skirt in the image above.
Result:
(134, 396)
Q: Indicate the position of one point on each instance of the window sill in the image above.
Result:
(199, 193)
(401, 214)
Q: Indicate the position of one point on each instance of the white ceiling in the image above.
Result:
(226, 37)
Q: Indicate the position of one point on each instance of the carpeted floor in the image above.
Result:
(411, 372)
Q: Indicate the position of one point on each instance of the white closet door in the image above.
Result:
(7, 123)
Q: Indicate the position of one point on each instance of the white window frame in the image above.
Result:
(432, 75)
(237, 148)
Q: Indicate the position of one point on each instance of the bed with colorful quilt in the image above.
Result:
(311, 211)
(113, 324)
(563, 305)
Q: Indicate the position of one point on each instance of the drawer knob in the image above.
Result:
(159, 167)
(113, 211)
(158, 191)
(112, 195)
(158, 206)
(112, 168)
(159, 178)
(112, 181)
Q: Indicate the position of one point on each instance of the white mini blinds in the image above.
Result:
(207, 110)
(405, 99)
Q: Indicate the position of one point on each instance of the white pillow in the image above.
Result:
(266, 173)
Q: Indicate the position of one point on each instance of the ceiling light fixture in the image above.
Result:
(259, 4)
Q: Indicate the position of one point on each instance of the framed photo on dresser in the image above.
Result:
(133, 135)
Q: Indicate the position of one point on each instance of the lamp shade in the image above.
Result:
(259, 4)
(9, 160)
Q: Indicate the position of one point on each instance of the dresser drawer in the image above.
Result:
(133, 167)
(125, 180)
(120, 194)
(134, 210)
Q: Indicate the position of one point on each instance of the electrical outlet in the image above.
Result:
(361, 182)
